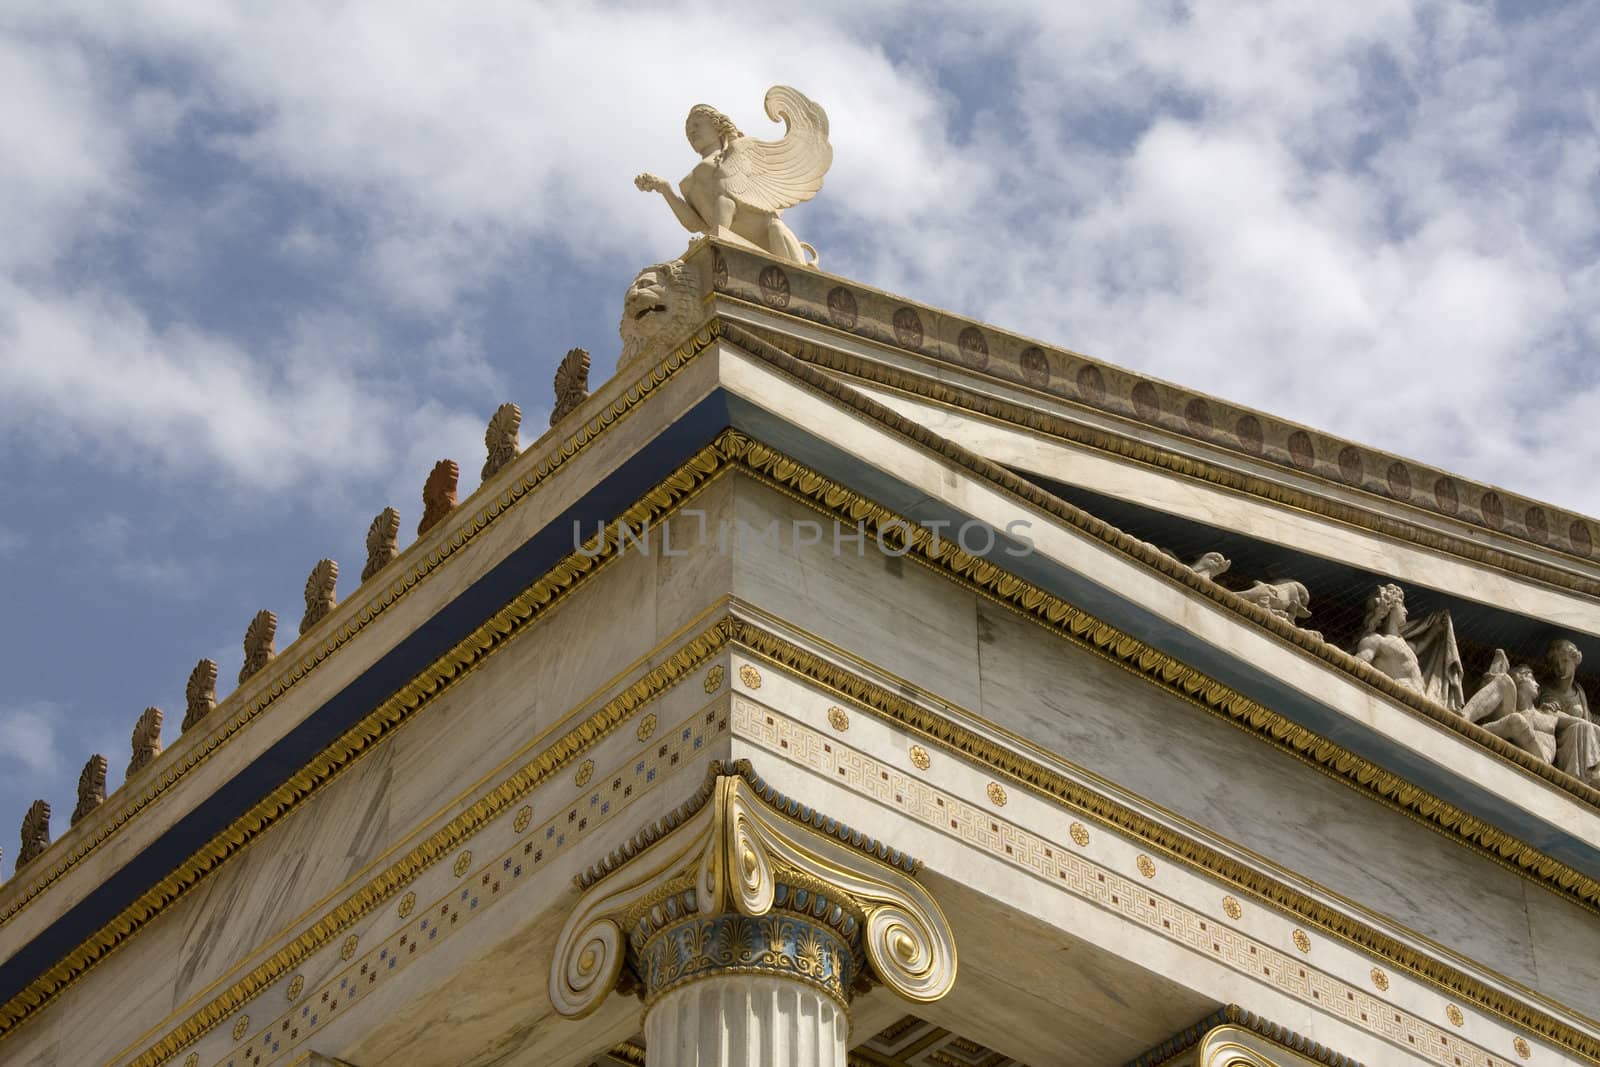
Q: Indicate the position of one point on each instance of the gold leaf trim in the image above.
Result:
(294, 664)
(990, 577)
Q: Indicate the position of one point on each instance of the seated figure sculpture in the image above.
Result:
(1421, 656)
(1577, 732)
(741, 185)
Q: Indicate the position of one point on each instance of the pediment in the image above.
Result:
(744, 400)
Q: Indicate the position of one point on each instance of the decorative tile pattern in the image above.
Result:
(1075, 874)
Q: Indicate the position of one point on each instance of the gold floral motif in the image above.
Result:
(1380, 980)
(192, 1060)
(1231, 908)
(348, 949)
(408, 903)
(1522, 1048)
(750, 676)
(714, 678)
(1146, 865)
(463, 861)
(997, 794)
(647, 727)
(919, 758)
(296, 984)
(1453, 1013)
(838, 719)
(585, 772)
(1302, 941)
(241, 1027)
(1080, 834)
(524, 817)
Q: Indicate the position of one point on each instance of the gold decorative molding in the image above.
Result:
(420, 561)
(734, 450)
(1141, 403)
(687, 662)
(924, 546)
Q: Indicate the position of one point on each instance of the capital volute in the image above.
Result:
(740, 879)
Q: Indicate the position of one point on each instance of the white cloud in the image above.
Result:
(28, 738)
(1376, 218)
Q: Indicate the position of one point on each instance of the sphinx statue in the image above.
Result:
(1421, 656)
(740, 187)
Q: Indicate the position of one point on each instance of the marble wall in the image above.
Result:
(996, 666)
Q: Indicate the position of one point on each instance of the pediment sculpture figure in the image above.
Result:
(1421, 656)
(1505, 705)
(1577, 732)
(740, 187)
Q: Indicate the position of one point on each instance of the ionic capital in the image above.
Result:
(742, 880)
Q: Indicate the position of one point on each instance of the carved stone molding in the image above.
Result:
(742, 880)
(1235, 1046)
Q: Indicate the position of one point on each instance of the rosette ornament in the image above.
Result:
(742, 885)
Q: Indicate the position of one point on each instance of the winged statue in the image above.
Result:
(740, 187)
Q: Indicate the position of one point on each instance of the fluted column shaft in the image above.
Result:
(746, 1020)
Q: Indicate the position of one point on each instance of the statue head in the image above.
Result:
(1563, 657)
(662, 304)
(1387, 601)
(709, 129)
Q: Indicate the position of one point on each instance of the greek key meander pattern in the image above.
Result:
(1058, 863)
(468, 896)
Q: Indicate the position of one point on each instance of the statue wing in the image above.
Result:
(773, 175)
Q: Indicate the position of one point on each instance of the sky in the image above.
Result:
(262, 264)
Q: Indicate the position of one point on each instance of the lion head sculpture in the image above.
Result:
(662, 305)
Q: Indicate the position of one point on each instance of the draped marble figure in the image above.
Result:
(1419, 655)
(738, 190)
(1577, 732)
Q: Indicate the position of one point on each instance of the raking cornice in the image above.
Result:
(542, 461)
(1027, 493)
(733, 449)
